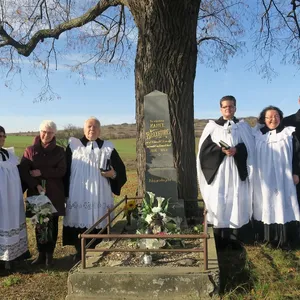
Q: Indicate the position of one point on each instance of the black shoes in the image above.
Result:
(286, 247)
(45, 258)
(49, 259)
(9, 265)
(41, 259)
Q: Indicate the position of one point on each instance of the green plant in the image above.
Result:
(11, 280)
(198, 228)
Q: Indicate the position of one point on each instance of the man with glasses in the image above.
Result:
(224, 167)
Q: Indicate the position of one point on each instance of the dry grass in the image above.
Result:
(260, 273)
(37, 282)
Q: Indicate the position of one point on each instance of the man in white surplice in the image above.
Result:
(94, 171)
(13, 235)
(225, 174)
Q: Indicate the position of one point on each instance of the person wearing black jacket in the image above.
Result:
(95, 172)
(294, 120)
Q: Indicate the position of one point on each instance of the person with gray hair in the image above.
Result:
(94, 171)
(13, 234)
(45, 161)
(48, 124)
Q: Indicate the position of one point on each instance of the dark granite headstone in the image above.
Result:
(161, 176)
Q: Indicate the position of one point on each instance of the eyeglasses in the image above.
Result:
(47, 132)
(276, 117)
(228, 106)
(2, 136)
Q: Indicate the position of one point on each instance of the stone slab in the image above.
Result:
(162, 182)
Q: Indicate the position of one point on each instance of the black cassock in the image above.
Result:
(211, 157)
(294, 120)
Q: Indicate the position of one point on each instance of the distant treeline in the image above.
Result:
(119, 131)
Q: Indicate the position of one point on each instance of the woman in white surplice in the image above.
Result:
(13, 235)
(277, 172)
(89, 184)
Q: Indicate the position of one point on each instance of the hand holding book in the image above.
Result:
(227, 149)
(224, 145)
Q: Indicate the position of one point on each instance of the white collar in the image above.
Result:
(229, 125)
(91, 145)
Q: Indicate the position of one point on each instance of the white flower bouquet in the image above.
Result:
(40, 209)
(154, 219)
(154, 216)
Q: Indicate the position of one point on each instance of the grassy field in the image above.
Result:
(124, 146)
(254, 273)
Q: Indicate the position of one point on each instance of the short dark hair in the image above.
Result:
(2, 129)
(228, 98)
(262, 115)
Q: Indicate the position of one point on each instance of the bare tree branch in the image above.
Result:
(292, 14)
(279, 34)
(116, 36)
(26, 49)
(219, 23)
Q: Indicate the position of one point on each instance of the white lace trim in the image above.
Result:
(90, 194)
(11, 252)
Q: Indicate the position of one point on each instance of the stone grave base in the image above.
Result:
(129, 282)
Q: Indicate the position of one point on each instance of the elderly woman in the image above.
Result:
(13, 236)
(94, 171)
(44, 160)
(277, 173)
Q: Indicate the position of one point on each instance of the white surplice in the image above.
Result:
(13, 234)
(228, 199)
(275, 197)
(90, 193)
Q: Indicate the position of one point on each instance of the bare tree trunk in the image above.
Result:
(166, 61)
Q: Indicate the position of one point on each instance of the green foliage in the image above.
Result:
(11, 280)
(150, 202)
(171, 227)
(198, 228)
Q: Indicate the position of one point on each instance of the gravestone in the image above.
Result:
(160, 176)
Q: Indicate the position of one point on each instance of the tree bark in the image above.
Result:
(166, 61)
